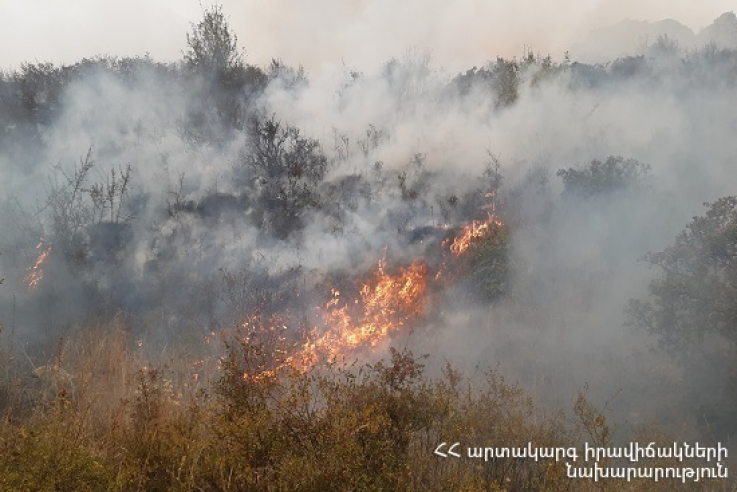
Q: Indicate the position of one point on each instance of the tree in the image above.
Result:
(285, 168)
(89, 218)
(665, 47)
(491, 265)
(692, 310)
(502, 78)
(598, 178)
(70, 211)
(695, 298)
(228, 86)
(213, 48)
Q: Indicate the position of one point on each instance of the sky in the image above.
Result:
(359, 33)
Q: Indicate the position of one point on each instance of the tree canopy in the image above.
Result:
(615, 173)
(695, 298)
(213, 47)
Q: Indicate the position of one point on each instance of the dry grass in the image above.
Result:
(102, 417)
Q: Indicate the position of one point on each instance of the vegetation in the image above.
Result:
(211, 298)
(691, 305)
(97, 419)
(601, 178)
(694, 299)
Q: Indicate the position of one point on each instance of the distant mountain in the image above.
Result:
(631, 37)
(722, 32)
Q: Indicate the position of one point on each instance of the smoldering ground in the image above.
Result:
(145, 179)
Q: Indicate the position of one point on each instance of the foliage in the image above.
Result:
(120, 422)
(229, 85)
(505, 78)
(502, 78)
(213, 47)
(47, 457)
(600, 178)
(121, 425)
(71, 214)
(81, 212)
(491, 265)
(102, 415)
(692, 305)
(695, 297)
(283, 169)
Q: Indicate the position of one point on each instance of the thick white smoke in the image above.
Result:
(576, 263)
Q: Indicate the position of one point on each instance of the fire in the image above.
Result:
(35, 273)
(472, 232)
(386, 303)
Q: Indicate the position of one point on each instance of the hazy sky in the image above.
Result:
(360, 32)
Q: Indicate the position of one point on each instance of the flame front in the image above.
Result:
(35, 273)
(386, 303)
(472, 232)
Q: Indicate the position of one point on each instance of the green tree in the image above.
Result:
(692, 310)
(490, 264)
(502, 78)
(213, 47)
(283, 170)
(598, 178)
(228, 86)
(695, 298)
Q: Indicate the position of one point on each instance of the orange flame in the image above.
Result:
(472, 232)
(35, 273)
(386, 303)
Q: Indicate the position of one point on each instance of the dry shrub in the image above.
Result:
(111, 420)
